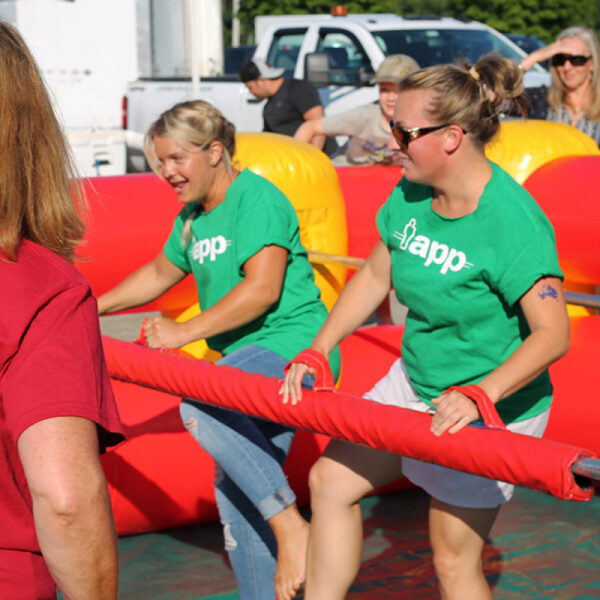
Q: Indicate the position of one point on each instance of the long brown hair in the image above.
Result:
(471, 96)
(36, 194)
(557, 92)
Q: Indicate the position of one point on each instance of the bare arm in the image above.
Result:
(547, 52)
(359, 298)
(311, 132)
(316, 113)
(544, 308)
(144, 285)
(252, 297)
(71, 506)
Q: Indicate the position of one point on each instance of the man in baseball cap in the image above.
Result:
(290, 102)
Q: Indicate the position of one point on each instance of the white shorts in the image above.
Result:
(449, 486)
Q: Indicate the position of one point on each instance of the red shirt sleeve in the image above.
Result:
(59, 368)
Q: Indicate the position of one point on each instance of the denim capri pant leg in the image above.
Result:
(250, 450)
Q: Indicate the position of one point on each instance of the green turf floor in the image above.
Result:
(540, 548)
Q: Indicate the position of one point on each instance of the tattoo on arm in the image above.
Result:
(548, 291)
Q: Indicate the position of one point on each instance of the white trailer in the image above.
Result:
(86, 51)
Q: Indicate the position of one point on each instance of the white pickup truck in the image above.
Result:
(337, 53)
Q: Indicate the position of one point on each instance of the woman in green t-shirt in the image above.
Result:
(473, 257)
(239, 237)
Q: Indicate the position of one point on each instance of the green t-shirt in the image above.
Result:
(462, 279)
(254, 214)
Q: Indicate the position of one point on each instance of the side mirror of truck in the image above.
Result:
(365, 75)
(316, 69)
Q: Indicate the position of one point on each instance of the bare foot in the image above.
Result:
(291, 532)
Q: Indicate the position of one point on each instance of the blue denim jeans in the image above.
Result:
(250, 486)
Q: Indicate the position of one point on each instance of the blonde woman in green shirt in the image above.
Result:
(238, 235)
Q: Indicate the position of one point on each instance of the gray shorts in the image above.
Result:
(449, 486)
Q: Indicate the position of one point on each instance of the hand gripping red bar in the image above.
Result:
(486, 408)
(542, 465)
(324, 380)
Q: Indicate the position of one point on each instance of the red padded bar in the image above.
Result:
(542, 465)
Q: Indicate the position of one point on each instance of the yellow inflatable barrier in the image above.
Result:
(306, 176)
(522, 146)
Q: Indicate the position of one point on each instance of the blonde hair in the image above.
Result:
(471, 96)
(36, 195)
(557, 92)
(195, 122)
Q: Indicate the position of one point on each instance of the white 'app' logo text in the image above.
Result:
(433, 253)
(209, 247)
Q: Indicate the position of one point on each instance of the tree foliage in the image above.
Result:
(544, 19)
(541, 18)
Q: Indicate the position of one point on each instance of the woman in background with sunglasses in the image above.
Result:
(471, 254)
(574, 97)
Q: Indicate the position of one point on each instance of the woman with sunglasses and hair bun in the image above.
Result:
(471, 254)
(574, 97)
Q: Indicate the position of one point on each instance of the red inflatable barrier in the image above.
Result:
(365, 191)
(148, 475)
(147, 480)
(567, 190)
(576, 380)
(498, 454)
(129, 221)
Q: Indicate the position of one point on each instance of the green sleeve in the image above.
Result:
(264, 219)
(531, 259)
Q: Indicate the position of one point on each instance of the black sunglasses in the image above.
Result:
(405, 136)
(578, 60)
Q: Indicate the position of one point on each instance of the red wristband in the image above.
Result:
(142, 338)
(324, 381)
(487, 409)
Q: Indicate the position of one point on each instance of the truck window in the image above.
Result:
(346, 55)
(285, 48)
(438, 46)
(236, 57)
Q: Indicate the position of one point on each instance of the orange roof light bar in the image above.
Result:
(339, 10)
